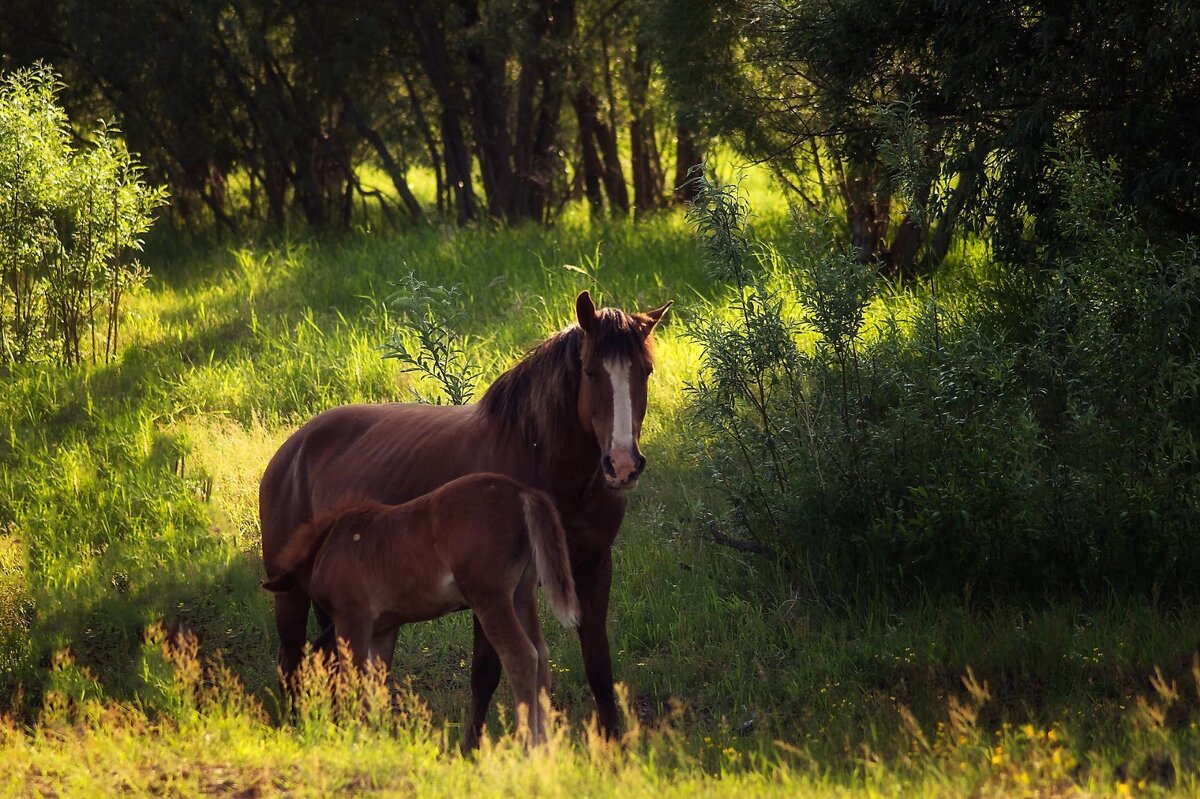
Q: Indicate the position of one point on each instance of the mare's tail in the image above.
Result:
(300, 549)
(549, 543)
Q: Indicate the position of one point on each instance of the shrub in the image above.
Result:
(1037, 433)
(428, 341)
(70, 224)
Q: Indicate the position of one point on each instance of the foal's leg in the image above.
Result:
(383, 645)
(357, 631)
(326, 641)
(527, 611)
(485, 676)
(499, 620)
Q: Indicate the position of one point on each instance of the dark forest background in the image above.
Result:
(269, 110)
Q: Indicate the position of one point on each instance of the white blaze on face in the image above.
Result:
(620, 446)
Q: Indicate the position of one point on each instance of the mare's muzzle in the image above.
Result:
(623, 470)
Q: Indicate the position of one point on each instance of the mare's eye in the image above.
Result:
(592, 373)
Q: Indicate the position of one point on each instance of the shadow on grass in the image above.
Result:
(224, 610)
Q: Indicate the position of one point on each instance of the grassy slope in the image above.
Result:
(128, 497)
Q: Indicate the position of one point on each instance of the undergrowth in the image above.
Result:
(1033, 435)
(196, 731)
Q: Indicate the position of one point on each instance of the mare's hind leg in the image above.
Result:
(517, 653)
(485, 676)
(291, 621)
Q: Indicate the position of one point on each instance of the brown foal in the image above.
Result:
(480, 542)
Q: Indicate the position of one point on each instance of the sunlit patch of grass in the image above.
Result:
(230, 457)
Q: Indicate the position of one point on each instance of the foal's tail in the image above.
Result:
(549, 543)
(299, 550)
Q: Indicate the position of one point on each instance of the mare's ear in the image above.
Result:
(281, 584)
(656, 315)
(585, 311)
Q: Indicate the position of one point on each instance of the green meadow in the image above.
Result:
(128, 524)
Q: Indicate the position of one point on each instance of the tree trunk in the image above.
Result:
(427, 135)
(486, 77)
(939, 243)
(390, 166)
(590, 167)
(435, 57)
(867, 209)
(688, 154)
(900, 258)
(519, 166)
(604, 144)
(643, 149)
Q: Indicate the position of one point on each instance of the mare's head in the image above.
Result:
(617, 360)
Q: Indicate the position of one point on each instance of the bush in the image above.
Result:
(429, 341)
(1037, 434)
(70, 222)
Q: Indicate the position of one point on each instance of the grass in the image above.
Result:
(128, 499)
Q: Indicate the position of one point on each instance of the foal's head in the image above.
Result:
(617, 361)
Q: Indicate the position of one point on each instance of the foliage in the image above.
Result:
(990, 89)
(70, 224)
(1034, 436)
(750, 353)
(368, 111)
(434, 315)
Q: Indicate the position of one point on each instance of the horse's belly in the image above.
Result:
(432, 599)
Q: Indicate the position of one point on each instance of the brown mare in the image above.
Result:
(481, 542)
(565, 420)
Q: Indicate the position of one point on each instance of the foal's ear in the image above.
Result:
(585, 311)
(656, 315)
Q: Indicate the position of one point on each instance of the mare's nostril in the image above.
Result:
(641, 464)
(607, 464)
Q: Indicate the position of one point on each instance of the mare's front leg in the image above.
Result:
(592, 529)
(485, 676)
(593, 580)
